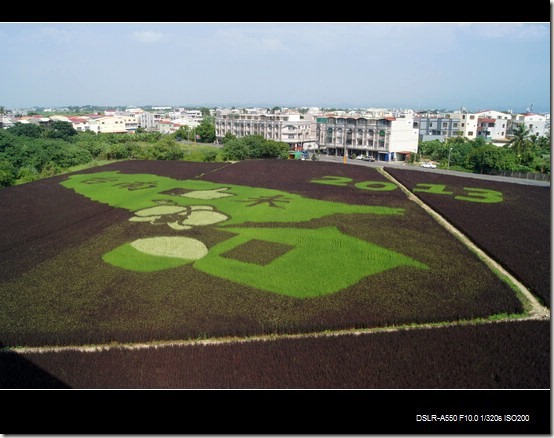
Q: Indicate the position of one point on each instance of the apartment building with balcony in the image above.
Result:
(299, 132)
(537, 124)
(439, 127)
(493, 125)
(146, 120)
(385, 139)
(468, 123)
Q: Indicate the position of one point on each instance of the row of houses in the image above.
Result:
(494, 126)
(383, 134)
(386, 135)
(118, 122)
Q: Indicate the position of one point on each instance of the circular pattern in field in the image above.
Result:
(156, 253)
(178, 247)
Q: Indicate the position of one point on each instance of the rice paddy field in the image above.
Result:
(272, 274)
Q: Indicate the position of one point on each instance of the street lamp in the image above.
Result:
(449, 150)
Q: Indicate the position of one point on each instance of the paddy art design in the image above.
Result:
(311, 261)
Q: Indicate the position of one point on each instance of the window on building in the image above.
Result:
(470, 133)
(463, 124)
(444, 124)
(471, 117)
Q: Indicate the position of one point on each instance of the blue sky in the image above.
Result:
(409, 65)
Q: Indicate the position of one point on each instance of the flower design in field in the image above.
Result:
(180, 217)
(208, 194)
(271, 201)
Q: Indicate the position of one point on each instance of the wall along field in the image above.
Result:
(163, 253)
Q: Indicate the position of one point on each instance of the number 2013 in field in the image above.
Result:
(473, 194)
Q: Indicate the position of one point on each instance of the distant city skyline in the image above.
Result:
(393, 65)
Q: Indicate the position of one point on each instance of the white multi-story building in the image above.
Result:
(185, 121)
(166, 126)
(114, 124)
(193, 114)
(537, 124)
(299, 132)
(468, 123)
(6, 122)
(146, 120)
(80, 123)
(493, 125)
(386, 139)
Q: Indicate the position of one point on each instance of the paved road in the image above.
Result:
(331, 158)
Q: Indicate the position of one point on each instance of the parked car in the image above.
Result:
(360, 157)
(429, 165)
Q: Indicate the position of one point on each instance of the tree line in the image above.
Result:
(30, 152)
(523, 153)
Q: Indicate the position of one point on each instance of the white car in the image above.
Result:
(429, 165)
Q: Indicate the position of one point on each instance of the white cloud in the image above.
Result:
(248, 40)
(513, 31)
(147, 36)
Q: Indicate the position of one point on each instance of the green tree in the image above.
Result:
(165, 149)
(26, 130)
(27, 174)
(458, 149)
(520, 143)
(235, 150)
(117, 151)
(206, 130)
(50, 169)
(60, 129)
(228, 136)
(485, 158)
(210, 155)
(183, 133)
(254, 146)
(94, 146)
(205, 112)
(7, 173)
(6, 139)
